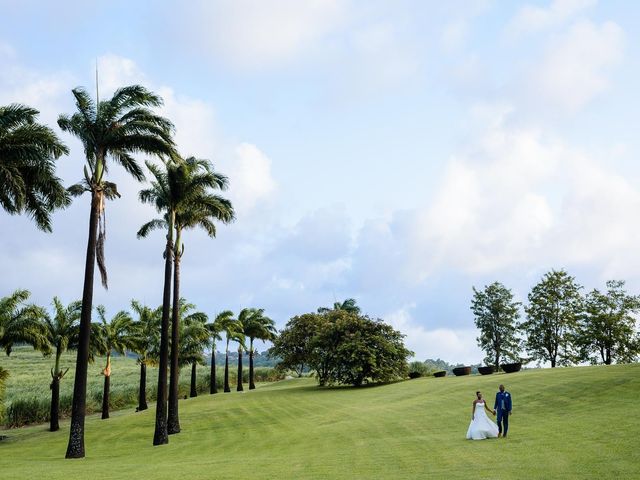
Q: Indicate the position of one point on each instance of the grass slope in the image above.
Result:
(573, 423)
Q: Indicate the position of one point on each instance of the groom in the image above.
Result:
(503, 407)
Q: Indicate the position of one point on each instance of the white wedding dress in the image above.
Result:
(481, 426)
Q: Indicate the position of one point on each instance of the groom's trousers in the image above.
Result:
(503, 422)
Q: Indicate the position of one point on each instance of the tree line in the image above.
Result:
(561, 325)
(57, 331)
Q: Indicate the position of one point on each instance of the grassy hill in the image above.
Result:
(573, 423)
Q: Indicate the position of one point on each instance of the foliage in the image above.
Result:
(555, 306)
(28, 151)
(496, 315)
(349, 305)
(20, 322)
(3, 379)
(607, 330)
(145, 333)
(419, 369)
(293, 345)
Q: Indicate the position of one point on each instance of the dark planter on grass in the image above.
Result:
(511, 367)
(459, 371)
(442, 373)
(413, 375)
(486, 370)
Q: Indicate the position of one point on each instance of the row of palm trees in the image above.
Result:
(182, 191)
(57, 332)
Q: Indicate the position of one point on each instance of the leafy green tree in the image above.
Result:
(146, 344)
(496, 316)
(607, 330)
(20, 322)
(215, 330)
(61, 331)
(194, 338)
(256, 326)
(232, 329)
(112, 130)
(118, 336)
(293, 345)
(349, 305)
(28, 151)
(555, 306)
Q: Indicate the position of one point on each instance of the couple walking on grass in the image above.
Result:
(481, 425)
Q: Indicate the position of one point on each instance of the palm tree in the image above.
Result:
(194, 338)
(257, 326)
(349, 305)
(28, 151)
(232, 329)
(20, 322)
(215, 329)
(113, 129)
(192, 205)
(62, 334)
(146, 343)
(115, 336)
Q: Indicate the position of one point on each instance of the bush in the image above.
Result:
(3, 378)
(419, 369)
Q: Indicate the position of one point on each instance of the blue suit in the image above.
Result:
(503, 409)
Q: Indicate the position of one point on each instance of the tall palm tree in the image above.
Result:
(61, 331)
(115, 336)
(192, 205)
(194, 337)
(28, 151)
(349, 305)
(146, 343)
(232, 329)
(21, 322)
(257, 326)
(215, 329)
(113, 130)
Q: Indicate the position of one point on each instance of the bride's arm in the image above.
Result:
(473, 410)
(488, 409)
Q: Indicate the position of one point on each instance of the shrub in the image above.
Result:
(419, 369)
(3, 378)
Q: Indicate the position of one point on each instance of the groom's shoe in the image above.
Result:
(499, 435)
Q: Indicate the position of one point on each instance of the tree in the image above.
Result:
(349, 305)
(256, 326)
(555, 305)
(61, 331)
(146, 343)
(28, 151)
(607, 330)
(109, 130)
(194, 338)
(20, 322)
(293, 346)
(232, 329)
(496, 315)
(215, 329)
(115, 336)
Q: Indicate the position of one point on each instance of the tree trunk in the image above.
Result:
(213, 388)
(194, 391)
(160, 436)
(142, 392)
(75, 447)
(252, 385)
(608, 359)
(173, 421)
(105, 397)
(239, 382)
(226, 373)
(55, 403)
(553, 362)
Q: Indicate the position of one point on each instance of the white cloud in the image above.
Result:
(532, 18)
(250, 178)
(254, 34)
(451, 345)
(575, 67)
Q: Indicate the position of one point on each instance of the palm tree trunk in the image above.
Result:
(194, 391)
(239, 383)
(142, 393)
(226, 373)
(252, 385)
(213, 387)
(55, 403)
(75, 447)
(105, 397)
(173, 421)
(160, 436)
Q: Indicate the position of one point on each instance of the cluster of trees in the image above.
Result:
(138, 331)
(342, 346)
(561, 325)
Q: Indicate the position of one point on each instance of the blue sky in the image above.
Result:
(395, 152)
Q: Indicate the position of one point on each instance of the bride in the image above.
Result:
(481, 426)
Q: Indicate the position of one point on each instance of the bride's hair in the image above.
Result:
(477, 393)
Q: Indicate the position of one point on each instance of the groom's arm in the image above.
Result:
(495, 404)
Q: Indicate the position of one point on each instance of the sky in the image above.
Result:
(399, 153)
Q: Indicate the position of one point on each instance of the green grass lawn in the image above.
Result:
(572, 423)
